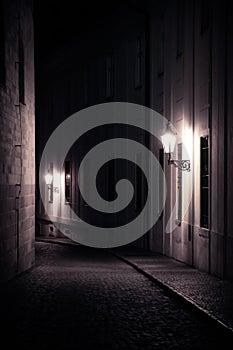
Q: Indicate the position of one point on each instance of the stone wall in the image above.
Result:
(17, 148)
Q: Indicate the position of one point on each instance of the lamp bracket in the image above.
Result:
(56, 189)
(183, 165)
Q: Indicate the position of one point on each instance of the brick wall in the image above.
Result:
(17, 148)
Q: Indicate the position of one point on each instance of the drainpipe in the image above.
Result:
(225, 141)
(18, 146)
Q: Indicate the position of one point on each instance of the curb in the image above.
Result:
(70, 244)
(189, 302)
(180, 296)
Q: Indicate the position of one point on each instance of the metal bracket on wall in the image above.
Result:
(183, 165)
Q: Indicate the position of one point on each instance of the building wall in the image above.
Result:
(195, 85)
(17, 148)
(228, 147)
(74, 78)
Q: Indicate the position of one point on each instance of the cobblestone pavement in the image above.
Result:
(81, 298)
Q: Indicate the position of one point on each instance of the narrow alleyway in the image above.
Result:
(81, 298)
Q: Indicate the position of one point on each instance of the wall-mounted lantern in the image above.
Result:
(67, 182)
(52, 181)
(49, 183)
(48, 179)
(169, 141)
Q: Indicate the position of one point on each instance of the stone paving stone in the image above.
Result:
(83, 298)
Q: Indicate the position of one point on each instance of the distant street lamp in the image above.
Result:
(48, 179)
(49, 183)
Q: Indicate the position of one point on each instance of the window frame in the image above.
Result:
(2, 48)
(21, 71)
(109, 76)
(68, 181)
(205, 182)
(180, 16)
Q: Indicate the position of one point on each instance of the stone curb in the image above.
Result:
(172, 291)
(41, 240)
(180, 296)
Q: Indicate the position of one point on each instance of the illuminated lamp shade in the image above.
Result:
(168, 141)
(48, 179)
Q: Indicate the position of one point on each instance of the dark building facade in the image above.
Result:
(17, 141)
(105, 71)
(174, 57)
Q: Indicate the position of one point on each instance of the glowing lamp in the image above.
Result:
(49, 183)
(48, 179)
(169, 141)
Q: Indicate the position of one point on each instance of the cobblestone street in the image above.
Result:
(81, 298)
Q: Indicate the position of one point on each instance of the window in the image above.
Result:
(85, 87)
(21, 72)
(139, 183)
(204, 182)
(2, 48)
(204, 16)
(138, 65)
(161, 47)
(67, 182)
(161, 188)
(179, 185)
(111, 180)
(109, 76)
(180, 28)
(50, 186)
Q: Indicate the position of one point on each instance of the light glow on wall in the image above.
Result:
(56, 182)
